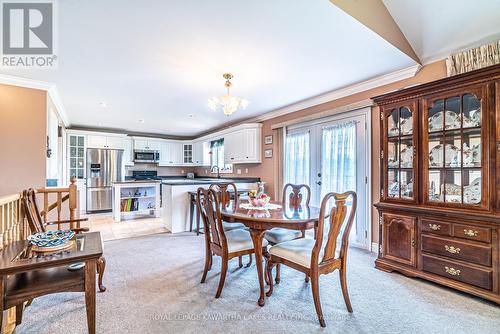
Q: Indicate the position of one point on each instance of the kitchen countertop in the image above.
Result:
(136, 181)
(207, 180)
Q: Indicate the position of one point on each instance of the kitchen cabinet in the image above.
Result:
(243, 146)
(147, 144)
(201, 153)
(128, 153)
(171, 153)
(187, 150)
(76, 156)
(102, 141)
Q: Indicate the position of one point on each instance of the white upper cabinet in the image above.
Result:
(96, 141)
(128, 154)
(171, 153)
(201, 154)
(243, 146)
(103, 141)
(147, 144)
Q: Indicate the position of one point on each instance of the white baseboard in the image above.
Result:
(374, 247)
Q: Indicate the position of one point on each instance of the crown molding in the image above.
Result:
(342, 92)
(49, 87)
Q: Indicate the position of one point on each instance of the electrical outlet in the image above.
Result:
(206, 171)
(246, 170)
(182, 171)
(238, 171)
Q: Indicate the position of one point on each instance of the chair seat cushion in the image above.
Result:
(298, 251)
(232, 226)
(240, 240)
(278, 235)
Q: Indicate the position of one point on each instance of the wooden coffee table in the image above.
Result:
(25, 274)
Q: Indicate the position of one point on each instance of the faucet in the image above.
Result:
(218, 171)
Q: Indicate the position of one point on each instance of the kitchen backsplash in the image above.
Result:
(162, 171)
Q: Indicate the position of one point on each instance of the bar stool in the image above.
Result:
(192, 206)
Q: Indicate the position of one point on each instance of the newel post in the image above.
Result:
(73, 200)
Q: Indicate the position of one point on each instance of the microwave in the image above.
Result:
(146, 156)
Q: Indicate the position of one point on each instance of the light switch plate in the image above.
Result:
(238, 171)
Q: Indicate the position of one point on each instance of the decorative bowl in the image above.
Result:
(50, 238)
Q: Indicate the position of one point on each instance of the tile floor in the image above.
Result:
(111, 230)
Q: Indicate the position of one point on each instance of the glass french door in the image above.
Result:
(332, 156)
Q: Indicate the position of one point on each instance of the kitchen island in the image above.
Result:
(132, 198)
(176, 198)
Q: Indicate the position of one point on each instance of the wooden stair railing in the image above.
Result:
(13, 227)
(69, 195)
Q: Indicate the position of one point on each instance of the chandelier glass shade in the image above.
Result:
(229, 104)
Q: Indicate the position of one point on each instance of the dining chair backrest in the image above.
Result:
(31, 211)
(339, 218)
(208, 206)
(223, 191)
(293, 194)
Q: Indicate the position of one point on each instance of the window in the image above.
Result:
(217, 157)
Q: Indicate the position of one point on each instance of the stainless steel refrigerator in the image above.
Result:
(104, 166)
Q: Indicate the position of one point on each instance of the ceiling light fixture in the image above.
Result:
(228, 103)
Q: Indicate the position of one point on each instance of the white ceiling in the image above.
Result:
(161, 60)
(436, 28)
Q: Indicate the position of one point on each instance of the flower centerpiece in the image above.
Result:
(259, 200)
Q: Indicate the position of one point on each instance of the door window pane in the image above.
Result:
(338, 158)
(297, 158)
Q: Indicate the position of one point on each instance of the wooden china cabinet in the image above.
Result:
(440, 182)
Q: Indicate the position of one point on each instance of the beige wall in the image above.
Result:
(430, 72)
(23, 118)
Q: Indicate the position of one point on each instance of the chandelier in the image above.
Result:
(228, 103)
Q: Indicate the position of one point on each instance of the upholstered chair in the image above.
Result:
(320, 256)
(226, 244)
(226, 192)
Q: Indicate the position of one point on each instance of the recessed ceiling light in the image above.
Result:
(191, 116)
(141, 121)
(103, 104)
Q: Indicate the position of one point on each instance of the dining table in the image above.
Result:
(261, 219)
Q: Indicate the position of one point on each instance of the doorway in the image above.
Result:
(333, 154)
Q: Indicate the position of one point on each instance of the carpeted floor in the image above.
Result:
(153, 287)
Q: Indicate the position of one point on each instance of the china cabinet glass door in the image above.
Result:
(454, 157)
(400, 152)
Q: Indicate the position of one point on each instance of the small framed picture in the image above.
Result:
(268, 140)
(268, 153)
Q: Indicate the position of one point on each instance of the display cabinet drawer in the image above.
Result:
(467, 274)
(457, 250)
(435, 227)
(472, 232)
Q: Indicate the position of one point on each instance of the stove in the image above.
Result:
(145, 175)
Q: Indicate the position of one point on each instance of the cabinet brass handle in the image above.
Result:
(452, 271)
(452, 249)
(470, 233)
(435, 227)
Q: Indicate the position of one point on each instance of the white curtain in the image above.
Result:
(338, 165)
(297, 158)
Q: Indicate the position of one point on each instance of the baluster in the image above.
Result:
(9, 223)
(59, 205)
(45, 206)
(73, 201)
(2, 222)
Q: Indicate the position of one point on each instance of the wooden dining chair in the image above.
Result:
(226, 244)
(37, 225)
(293, 197)
(224, 197)
(314, 257)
